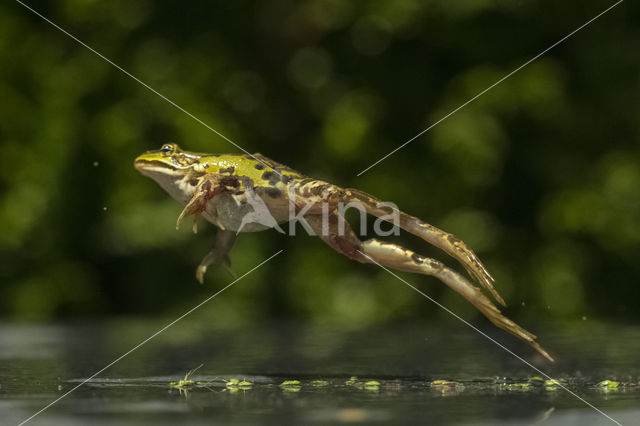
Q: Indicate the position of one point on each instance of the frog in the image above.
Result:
(225, 189)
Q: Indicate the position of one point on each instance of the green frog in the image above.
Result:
(250, 192)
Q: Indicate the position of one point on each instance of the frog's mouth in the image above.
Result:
(152, 167)
(147, 167)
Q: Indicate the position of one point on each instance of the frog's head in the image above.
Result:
(172, 168)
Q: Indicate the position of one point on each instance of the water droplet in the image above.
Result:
(523, 303)
(584, 318)
(96, 164)
(104, 208)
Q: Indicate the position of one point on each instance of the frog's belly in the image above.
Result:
(242, 215)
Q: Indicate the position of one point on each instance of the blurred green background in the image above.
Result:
(541, 175)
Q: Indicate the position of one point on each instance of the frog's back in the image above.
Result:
(262, 170)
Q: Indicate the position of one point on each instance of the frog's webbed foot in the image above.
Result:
(439, 238)
(344, 241)
(218, 255)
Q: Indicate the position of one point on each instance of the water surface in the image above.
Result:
(409, 374)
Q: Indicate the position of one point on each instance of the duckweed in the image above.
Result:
(444, 383)
(519, 386)
(372, 385)
(554, 384)
(291, 386)
(612, 385)
(186, 382)
(352, 381)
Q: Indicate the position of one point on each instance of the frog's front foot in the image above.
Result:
(202, 269)
(204, 265)
(218, 255)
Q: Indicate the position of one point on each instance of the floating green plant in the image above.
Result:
(237, 384)
(447, 387)
(291, 386)
(609, 384)
(372, 385)
(518, 386)
(554, 384)
(186, 382)
(352, 381)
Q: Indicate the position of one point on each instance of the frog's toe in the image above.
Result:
(224, 261)
(202, 269)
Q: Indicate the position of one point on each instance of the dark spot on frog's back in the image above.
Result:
(286, 179)
(273, 192)
(229, 181)
(228, 170)
(259, 166)
(270, 176)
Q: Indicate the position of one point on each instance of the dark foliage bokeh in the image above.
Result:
(540, 175)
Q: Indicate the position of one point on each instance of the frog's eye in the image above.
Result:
(167, 148)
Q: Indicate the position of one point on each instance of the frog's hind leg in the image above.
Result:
(398, 257)
(219, 254)
(439, 238)
(395, 256)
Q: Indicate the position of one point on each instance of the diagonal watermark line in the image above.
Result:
(148, 339)
(490, 338)
(492, 86)
(127, 73)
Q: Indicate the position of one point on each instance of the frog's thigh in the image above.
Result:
(338, 235)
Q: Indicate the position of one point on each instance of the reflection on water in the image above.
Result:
(285, 373)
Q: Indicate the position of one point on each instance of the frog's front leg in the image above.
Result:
(341, 238)
(209, 186)
(219, 253)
